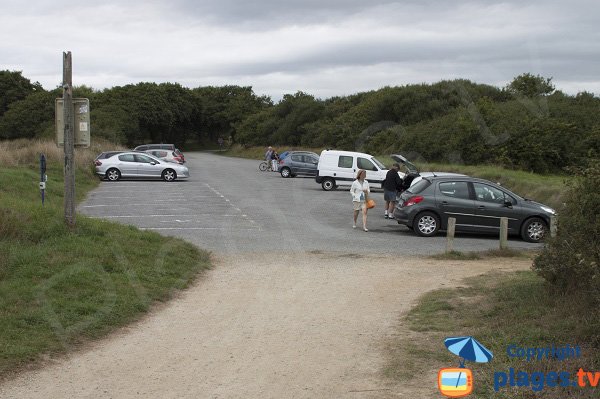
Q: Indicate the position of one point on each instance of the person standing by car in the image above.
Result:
(268, 155)
(391, 186)
(274, 161)
(360, 191)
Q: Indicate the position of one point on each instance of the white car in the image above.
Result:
(139, 165)
(338, 168)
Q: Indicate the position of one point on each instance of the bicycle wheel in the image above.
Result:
(263, 166)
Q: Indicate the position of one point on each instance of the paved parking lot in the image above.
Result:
(229, 206)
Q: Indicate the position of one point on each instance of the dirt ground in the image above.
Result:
(278, 325)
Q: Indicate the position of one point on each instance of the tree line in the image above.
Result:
(526, 125)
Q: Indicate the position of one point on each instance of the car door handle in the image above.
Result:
(481, 207)
(444, 202)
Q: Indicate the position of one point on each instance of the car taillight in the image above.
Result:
(281, 162)
(413, 200)
(97, 163)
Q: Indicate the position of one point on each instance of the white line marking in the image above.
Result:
(139, 204)
(190, 228)
(156, 216)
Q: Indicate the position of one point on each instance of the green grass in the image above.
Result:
(498, 310)
(60, 287)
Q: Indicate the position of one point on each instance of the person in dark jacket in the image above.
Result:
(391, 186)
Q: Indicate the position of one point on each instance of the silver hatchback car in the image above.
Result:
(138, 165)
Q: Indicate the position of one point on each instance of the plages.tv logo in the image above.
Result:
(457, 382)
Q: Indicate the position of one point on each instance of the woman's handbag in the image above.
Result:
(370, 204)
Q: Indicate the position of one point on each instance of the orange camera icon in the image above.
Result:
(455, 382)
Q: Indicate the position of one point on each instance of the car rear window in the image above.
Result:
(456, 189)
(126, 158)
(419, 186)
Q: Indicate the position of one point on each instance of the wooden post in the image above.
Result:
(69, 138)
(553, 226)
(450, 235)
(503, 233)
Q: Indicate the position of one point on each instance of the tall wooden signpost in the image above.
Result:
(72, 120)
(69, 139)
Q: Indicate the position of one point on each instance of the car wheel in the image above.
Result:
(426, 224)
(534, 230)
(328, 184)
(285, 172)
(113, 174)
(169, 175)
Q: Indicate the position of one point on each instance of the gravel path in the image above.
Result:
(276, 325)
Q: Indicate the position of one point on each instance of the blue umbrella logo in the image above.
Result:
(468, 348)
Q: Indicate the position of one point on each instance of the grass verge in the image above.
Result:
(499, 310)
(60, 287)
(490, 253)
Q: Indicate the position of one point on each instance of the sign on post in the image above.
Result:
(81, 112)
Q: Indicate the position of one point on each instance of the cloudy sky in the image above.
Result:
(323, 47)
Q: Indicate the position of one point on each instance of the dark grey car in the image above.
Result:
(476, 204)
(299, 163)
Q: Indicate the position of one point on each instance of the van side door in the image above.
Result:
(346, 168)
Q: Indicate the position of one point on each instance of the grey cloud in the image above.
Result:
(199, 42)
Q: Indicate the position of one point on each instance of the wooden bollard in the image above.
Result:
(503, 233)
(450, 235)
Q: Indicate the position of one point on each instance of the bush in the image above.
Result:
(571, 261)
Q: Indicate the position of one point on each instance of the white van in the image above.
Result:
(338, 168)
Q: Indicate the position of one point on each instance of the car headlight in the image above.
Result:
(549, 210)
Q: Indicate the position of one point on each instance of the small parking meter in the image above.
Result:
(42, 176)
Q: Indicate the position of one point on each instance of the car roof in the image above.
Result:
(136, 152)
(351, 153)
(435, 176)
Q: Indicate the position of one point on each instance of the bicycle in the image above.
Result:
(265, 166)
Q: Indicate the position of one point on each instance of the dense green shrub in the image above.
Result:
(571, 260)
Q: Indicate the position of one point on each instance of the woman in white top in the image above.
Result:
(360, 190)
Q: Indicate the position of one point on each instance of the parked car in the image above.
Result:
(139, 165)
(166, 155)
(170, 147)
(299, 163)
(336, 168)
(476, 204)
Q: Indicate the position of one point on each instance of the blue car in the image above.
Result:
(299, 163)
